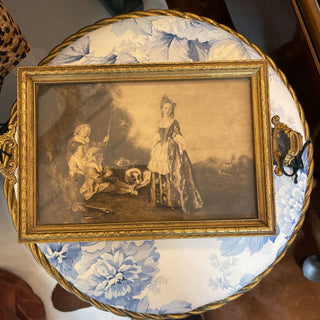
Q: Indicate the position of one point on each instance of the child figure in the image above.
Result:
(92, 176)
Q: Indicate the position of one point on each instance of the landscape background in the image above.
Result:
(217, 129)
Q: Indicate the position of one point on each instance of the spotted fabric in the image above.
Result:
(13, 46)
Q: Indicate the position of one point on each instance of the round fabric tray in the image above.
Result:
(178, 277)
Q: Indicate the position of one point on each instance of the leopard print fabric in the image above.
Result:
(13, 46)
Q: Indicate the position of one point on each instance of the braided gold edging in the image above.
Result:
(40, 257)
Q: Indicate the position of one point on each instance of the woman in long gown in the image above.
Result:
(172, 181)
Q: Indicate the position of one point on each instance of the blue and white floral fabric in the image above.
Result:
(174, 276)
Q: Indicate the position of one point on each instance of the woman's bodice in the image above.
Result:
(169, 132)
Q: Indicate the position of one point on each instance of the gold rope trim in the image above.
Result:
(40, 257)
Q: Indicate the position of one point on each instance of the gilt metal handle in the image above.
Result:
(8, 154)
(283, 158)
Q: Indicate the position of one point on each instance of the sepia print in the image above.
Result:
(177, 150)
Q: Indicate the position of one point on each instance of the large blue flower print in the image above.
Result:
(289, 199)
(63, 256)
(176, 306)
(120, 273)
(188, 29)
(304, 158)
(236, 245)
(143, 27)
(170, 47)
(79, 53)
(190, 40)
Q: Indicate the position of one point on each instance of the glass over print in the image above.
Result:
(151, 146)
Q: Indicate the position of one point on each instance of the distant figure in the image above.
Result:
(172, 181)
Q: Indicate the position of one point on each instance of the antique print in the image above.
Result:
(148, 151)
(155, 151)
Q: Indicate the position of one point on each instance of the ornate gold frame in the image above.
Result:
(40, 257)
(30, 77)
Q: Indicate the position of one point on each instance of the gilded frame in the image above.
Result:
(29, 78)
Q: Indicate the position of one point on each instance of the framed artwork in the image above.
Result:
(144, 151)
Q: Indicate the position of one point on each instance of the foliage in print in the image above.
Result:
(222, 279)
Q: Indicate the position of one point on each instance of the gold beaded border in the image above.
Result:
(40, 257)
